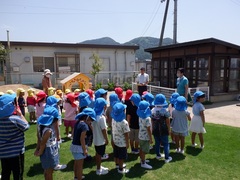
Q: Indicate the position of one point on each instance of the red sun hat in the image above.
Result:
(40, 95)
(128, 94)
(119, 92)
(90, 92)
(71, 98)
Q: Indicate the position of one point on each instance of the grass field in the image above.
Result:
(219, 160)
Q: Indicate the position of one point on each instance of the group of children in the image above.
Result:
(133, 121)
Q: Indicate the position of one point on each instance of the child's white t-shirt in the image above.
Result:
(118, 131)
(98, 126)
(143, 125)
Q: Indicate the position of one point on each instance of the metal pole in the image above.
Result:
(8, 76)
(164, 23)
(175, 23)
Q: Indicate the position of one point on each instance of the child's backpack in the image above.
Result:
(159, 126)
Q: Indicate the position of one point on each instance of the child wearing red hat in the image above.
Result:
(71, 110)
(41, 103)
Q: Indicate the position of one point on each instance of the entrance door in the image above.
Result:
(2, 73)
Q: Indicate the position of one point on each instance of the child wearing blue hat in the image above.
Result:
(78, 146)
(145, 133)
(161, 126)
(47, 147)
(101, 93)
(120, 131)
(100, 137)
(12, 128)
(179, 123)
(133, 121)
(84, 100)
(149, 98)
(198, 120)
(172, 101)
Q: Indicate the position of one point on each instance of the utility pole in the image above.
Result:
(7, 63)
(175, 23)
(164, 22)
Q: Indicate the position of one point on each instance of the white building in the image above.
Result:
(29, 59)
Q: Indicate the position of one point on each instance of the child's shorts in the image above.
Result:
(50, 157)
(180, 134)
(120, 152)
(69, 123)
(100, 149)
(78, 156)
(31, 108)
(144, 146)
(133, 135)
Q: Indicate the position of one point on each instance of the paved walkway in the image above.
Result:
(226, 113)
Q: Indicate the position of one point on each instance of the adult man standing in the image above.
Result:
(46, 81)
(182, 83)
(142, 81)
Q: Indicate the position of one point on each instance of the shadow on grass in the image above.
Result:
(34, 170)
(31, 146)
(193, 151)
(177, 156)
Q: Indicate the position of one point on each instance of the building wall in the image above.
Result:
(116, 63)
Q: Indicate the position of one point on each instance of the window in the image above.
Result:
(234, 74)
(68, 63)
(41, 63)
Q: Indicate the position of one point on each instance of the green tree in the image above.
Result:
(3, 52)
(97, 66)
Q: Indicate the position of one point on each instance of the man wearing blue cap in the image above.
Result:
(12, 129)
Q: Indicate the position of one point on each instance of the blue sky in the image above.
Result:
(78, 20)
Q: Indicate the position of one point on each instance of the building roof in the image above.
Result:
(197, 42)
(72, 76)
(71, 45)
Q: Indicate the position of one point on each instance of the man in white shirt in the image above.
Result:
(142, 81)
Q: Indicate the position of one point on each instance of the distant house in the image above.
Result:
(207, 62)
(29, 59)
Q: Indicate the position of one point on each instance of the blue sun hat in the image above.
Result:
(149, 98)
(99, 105)
(118, 113)
(84, 99)
(181, 103)
(7, 106)
(52, 101)
(160, 100)
(173, 97)
(136, 99)
(48, 116)
(143, 110)
(87, 112)
(113, 98)
(100, 92)
(197, 94)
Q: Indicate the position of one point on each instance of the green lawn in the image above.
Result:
(219, 160)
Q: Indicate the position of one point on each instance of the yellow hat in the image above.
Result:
(77, 90)
(67, 91)
(20, 90)
(30, 92)
(1, 93)
(10, 91)
(59, 92)
(51, 91)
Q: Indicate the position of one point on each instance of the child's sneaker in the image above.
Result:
(123, 171)
(104, 157)
(194, 145)
(177, 150)
(202, 147)
(60, 167)
(160, 156)
(168, 160)
(181, 152)
(146, 161)
(69, 135)
(101, 171)
(146, 166)
(104, 168)
(117, 166)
